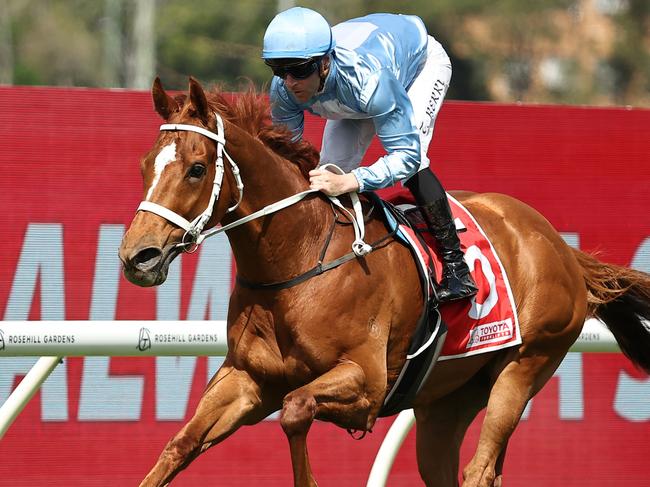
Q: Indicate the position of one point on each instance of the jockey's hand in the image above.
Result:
(332, 184)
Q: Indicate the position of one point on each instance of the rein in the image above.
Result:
(195, 233)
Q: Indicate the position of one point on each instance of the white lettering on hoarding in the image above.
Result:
(571, 239)
(632, 395)
(631, 401)
(42, 257)
(571, 400)
(104, 397)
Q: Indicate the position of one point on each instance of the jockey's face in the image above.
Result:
(302, 79)
(303, 89)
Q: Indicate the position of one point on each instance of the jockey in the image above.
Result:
(379, 74)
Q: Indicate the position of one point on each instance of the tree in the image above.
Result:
(6, 45)
(630, 60)
(504, 50)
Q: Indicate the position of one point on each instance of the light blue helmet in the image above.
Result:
(297, 33)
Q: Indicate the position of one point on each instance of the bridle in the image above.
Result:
(194, 230)
(194, 233)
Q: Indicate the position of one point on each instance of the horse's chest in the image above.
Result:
(279, 350)
(265, 361)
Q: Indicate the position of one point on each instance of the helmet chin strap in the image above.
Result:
(323, 72)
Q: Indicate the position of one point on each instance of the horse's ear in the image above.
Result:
(199, 100)
(165, 105)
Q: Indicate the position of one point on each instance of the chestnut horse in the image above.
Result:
(331, 346)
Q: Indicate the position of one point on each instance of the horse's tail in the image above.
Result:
(620, 297)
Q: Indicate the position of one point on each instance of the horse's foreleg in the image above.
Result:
(498, 481)
(231, 399)
(519, 381)
(338, 395)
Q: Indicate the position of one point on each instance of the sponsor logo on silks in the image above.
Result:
(2, 341)
(497, 331)
(144, 340)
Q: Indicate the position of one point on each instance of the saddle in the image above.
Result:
(485, 323)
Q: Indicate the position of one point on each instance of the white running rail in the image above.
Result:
(112, 338)
(52, 340)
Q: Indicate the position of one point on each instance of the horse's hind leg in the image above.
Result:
(339, 395)
(441, 427)
(519, 380)
(231, 399)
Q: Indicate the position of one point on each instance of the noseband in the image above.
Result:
(194, 233)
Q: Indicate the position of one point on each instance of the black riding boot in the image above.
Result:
(457, 282)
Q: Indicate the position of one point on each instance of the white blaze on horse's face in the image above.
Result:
(166, 156)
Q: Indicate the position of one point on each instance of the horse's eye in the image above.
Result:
(196, 171)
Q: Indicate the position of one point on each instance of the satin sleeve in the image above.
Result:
(386, 101)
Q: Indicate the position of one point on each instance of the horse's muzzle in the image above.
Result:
(148, 266)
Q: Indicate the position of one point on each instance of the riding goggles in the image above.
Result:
(298, 69)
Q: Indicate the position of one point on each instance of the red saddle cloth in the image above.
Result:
(488, 321)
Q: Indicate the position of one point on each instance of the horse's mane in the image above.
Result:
(250, 111)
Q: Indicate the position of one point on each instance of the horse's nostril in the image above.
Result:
(147, 258)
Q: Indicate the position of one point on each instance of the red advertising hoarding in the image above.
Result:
(70, 184)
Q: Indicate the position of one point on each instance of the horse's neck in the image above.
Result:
(281, 245)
